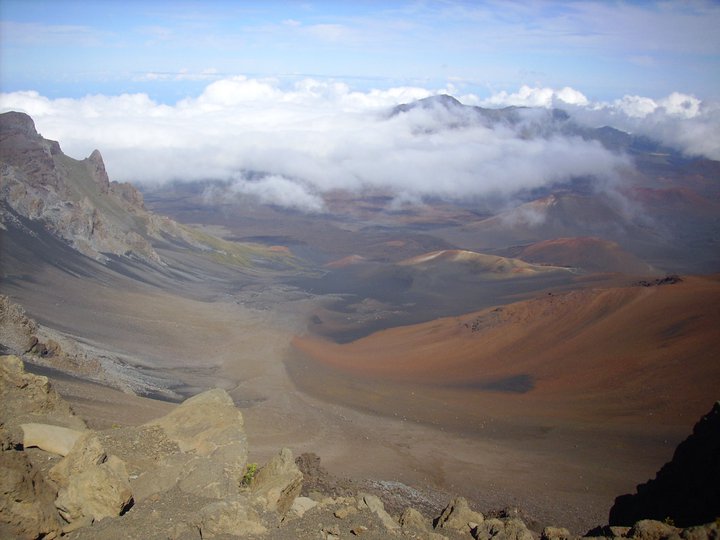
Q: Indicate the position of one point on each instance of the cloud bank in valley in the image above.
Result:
(320, 136)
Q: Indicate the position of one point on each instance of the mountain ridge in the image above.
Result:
(76, 201)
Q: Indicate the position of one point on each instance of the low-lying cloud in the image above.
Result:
(321, 136)
(680, 121)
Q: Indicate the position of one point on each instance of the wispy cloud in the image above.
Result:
(33, 34)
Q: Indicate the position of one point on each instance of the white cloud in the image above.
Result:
(536, 97)
(318, 136)
(678, 120)
(634, 106)
(280, 191)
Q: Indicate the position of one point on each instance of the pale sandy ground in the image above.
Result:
(567, 476)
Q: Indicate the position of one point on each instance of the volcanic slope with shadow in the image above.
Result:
(597, 355)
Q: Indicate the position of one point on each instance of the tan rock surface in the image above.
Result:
(278, 483)
(98, 492)
(26, 499)
(458, 516)
(87, 452)
(56, 439)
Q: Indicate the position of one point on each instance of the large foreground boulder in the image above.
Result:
(208, 424)
(208, 430)
(99, 492)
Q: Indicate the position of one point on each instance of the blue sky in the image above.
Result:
(300, 91)
(172, 50)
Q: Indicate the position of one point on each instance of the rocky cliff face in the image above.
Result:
(74, 200)
(686, 490)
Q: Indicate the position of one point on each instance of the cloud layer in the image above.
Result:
(319, 136)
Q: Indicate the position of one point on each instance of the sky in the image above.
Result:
(66, 48)
(300, 90)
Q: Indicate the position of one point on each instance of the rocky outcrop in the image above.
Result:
(73, 199)
(21, 148)
(376, 506)
(685, 490)
(86, 453)
(181, 476)
(205, 424)
(498, 529)
(278, 483)
(29, 398)
(17, 331)
(20, 335)
(27, 496)
(96, 167)
(555, 533)
(98, 492)
(27, 508)
(209, 433)
(458, 516)
(45, 193)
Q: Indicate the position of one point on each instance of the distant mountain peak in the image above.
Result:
(444, 101)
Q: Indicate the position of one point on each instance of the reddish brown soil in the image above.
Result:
(612, 355)
(584, 252)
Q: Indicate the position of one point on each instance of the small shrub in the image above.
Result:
(250, 471)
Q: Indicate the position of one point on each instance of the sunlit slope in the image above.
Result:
(475, 263)
(586, 253)
(626, 351)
